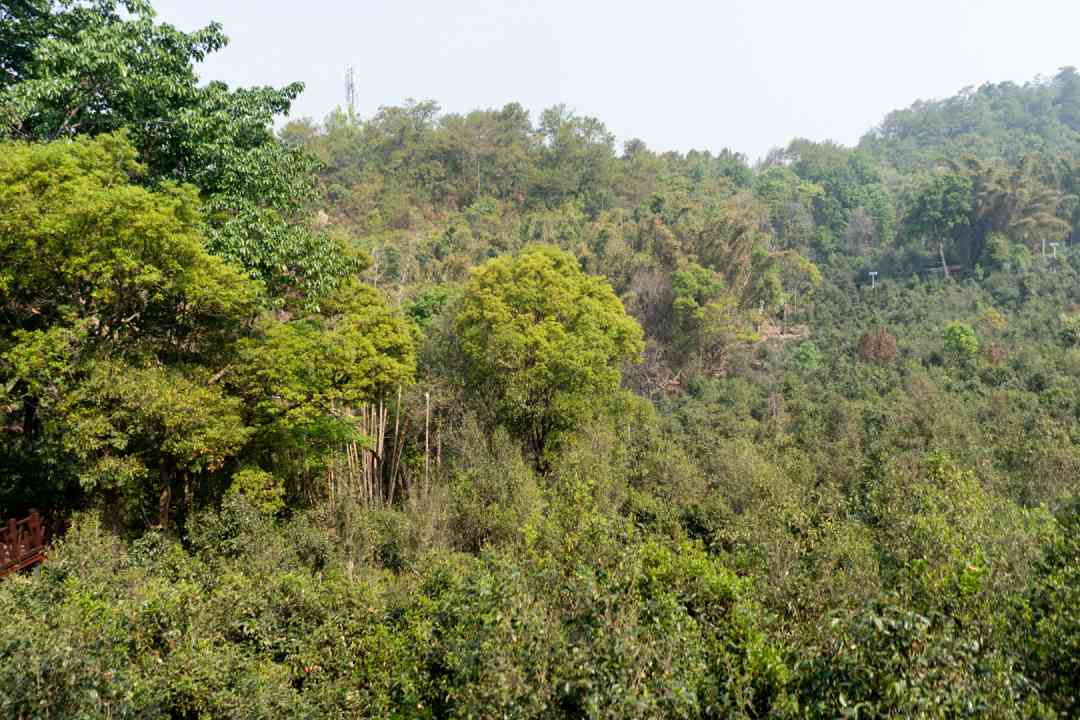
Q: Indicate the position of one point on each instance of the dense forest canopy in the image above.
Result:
(442, 415)
(1002, 120)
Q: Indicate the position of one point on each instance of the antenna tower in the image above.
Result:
(350, 89)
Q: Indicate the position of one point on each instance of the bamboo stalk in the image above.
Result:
(369, 423)
(395, 456)
(330, 489)
(398, 471)
(382, 448)
(427, 442)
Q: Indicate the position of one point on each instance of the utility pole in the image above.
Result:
(350, 90)
(873, 280)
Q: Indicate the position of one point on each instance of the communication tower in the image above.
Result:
(350, 89)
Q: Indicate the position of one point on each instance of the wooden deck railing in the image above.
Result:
(22, 543)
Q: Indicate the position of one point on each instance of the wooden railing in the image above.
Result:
(22, 544)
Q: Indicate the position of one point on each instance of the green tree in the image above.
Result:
(961, 345)
(542, 344)
(851, 188)
(708, 319)
(790, 200)
(1012, 201)
(113, 319)
(1068, 100)
(941, 207)
(577, 160)
(147, 440)
(1070, 329)
(304, 379)
(798, 278)
(81, 68)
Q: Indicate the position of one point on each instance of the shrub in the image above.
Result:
(877, 346)
(1052, 638)
(891, 661)
(264, 491)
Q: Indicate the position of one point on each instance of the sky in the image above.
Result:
(748, 75)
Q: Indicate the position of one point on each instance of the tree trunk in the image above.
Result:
(165, 497)
(944, 265)
(29, 419)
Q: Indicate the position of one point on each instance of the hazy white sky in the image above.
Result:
(744, 74)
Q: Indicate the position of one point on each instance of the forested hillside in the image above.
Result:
(492, 415)
(994, 121)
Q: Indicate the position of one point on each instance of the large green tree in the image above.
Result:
(103, 286)
(543, 343)
(941, 208)
(305, 379)
(132, 370)
(86, 68)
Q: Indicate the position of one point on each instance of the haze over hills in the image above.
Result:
(422, 414)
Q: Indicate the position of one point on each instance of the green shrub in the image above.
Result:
(890, 661)
(1050, 637)
(264, 491)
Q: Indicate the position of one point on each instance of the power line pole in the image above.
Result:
(873, 280)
